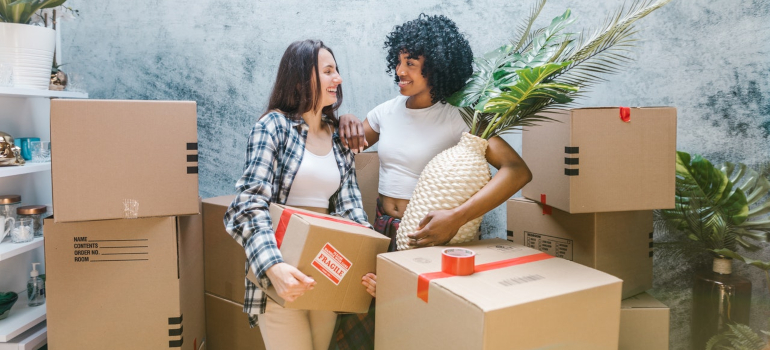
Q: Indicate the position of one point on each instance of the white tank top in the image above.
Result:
(317, 179)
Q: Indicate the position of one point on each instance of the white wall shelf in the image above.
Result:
(21, 319)
(9, 249)
(27, 168)
(32, 339)
(17, 92)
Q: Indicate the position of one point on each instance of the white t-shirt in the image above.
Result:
(409, 139)
(317, 179)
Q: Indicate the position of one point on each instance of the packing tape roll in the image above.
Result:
(458, 261)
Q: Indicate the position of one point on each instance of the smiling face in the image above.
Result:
(411, 82)
(329, 77)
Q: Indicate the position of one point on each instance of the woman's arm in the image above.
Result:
(248, 220)
(355, 134)
(438, 227)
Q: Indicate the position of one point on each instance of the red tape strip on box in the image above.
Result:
(625, 114)
(283, 223)
(423, 280)
(546, 208)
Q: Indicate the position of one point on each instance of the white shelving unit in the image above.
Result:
(22, 318)
(25, 113)
(32, 339)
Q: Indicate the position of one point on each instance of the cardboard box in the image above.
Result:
(125, 284)
(590, 160)
(123, 159)
(644, 323)
(225, 268)
(334, 253)
(550, 303)
(618, 243)
(368, 176)
(227, 327)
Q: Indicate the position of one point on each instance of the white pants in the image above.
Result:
(290, 329)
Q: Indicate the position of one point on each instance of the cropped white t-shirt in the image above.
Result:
(317, 179)
(409, 139)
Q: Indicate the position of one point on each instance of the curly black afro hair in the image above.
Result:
(448, 56)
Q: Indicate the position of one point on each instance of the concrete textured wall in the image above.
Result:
(708, 58)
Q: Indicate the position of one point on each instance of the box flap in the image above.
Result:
(642, 301)
(223, 201)
(500, 288)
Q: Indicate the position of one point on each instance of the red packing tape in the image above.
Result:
(458, 261)
(625, 114)
(546, 208)
(423, 280)
(283, 223)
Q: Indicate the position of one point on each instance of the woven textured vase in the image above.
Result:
(449, 179)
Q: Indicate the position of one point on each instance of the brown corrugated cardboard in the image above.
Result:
(125, 284)
(227, 327)
(590, 161)
(644, 323)
(546, 304)
(123, 159)
(368, 176)
(336, 255)
(618, 243)
(225, 267)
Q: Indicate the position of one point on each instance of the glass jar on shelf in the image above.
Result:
(8, 205)
(35, 212)
(22, 231)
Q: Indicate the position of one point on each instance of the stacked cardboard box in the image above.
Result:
(597, 175)
(124, 248)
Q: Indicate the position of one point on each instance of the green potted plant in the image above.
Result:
(26, 47)
(739, 337)
(510, 87)
(725, 210)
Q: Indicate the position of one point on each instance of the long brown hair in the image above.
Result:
(293, 90)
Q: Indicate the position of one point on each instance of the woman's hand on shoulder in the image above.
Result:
(352, 133)
(289, 282)
(370, 282)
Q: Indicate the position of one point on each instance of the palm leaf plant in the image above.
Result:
(738, 337)
(539, 69)
(567, 64)
(723, 208)
(21, 11)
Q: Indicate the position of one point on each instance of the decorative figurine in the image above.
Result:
(10, 154)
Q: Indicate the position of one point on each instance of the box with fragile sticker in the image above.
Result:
(618, 243)
(603, 159)
(335, 252)
(517, 298)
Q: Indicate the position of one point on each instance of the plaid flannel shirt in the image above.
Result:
(273, 156)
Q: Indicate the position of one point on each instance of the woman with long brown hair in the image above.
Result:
(294, 157)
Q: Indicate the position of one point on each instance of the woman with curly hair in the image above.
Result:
(430, 60)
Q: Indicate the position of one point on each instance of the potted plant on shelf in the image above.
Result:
(28, 48)
(726, 211)
(509, 89)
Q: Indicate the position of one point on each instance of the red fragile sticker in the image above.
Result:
(625, 114)
(332, 264)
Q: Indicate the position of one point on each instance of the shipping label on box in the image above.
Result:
(590, 160)
(144, 275)
(328, 249)
(644, 323)
(123, 159)
(618, 243)
(518, 298)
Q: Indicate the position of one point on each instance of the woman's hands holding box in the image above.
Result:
(289, 282)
